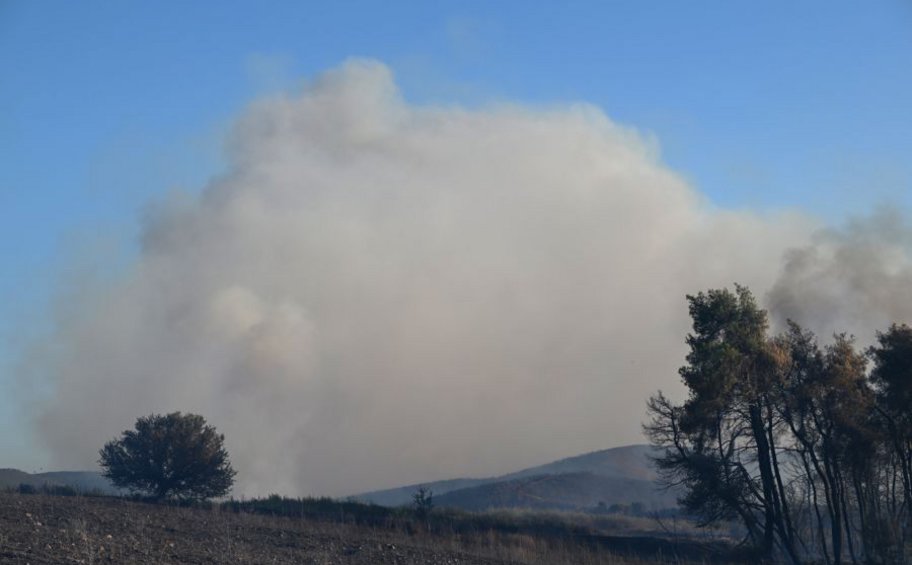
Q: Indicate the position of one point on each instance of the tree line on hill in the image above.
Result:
(809, 447)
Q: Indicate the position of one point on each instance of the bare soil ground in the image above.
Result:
(41, 529)
(48, 529)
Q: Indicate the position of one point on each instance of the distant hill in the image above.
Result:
(82, 481)
(629, 461)
(621, 475)
(15, 477)
(403, 495)
(562, 491)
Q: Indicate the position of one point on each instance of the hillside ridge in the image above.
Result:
(82, 481)
(620, 463)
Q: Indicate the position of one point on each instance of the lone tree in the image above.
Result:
(174, 456)
(423, 501)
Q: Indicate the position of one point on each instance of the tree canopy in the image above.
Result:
(171, 456)
(804, 446)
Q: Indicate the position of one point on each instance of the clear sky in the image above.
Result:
(763, 106)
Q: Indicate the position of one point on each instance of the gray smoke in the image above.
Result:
(857, 279)
(376, 293)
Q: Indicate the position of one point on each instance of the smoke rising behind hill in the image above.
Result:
(376, 293)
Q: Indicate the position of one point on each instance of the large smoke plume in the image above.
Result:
(376, 293)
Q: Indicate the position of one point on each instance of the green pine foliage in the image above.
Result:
(802, 444)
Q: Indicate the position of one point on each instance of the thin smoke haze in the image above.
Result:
(376, 293)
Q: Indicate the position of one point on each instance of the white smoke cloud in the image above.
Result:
(377, 293)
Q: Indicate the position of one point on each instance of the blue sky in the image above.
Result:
(104, 105)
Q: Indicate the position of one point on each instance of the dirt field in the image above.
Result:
(41, 529)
